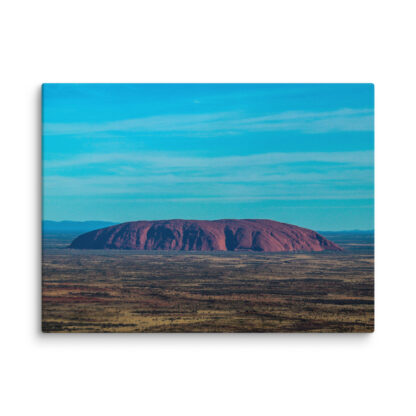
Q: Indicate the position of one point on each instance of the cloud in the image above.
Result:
(227, 123)
(255, 177)
(176, 189)
(315, 122)
(144, 124)
(175, 160)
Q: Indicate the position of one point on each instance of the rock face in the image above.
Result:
(193, 235)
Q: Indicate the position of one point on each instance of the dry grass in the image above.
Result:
(128, 291)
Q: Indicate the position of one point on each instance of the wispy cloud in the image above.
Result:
(228, 122)
(251, 177)
(237, 189)
(174, 160)
(145, 124)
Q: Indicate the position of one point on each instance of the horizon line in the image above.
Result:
(219, 219)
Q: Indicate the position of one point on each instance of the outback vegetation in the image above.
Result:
(165, 291)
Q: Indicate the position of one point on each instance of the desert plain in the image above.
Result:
(167, 291)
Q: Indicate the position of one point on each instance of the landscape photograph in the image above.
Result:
(200, 208)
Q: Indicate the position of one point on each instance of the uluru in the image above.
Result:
(203, 235)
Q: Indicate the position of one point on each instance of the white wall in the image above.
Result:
(190, 41)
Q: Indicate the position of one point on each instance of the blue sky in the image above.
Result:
(296, 153)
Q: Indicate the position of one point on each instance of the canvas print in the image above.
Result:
(208, 208)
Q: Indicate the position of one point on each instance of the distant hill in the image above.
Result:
(348, 232)
(202, 235)
(73, 226)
